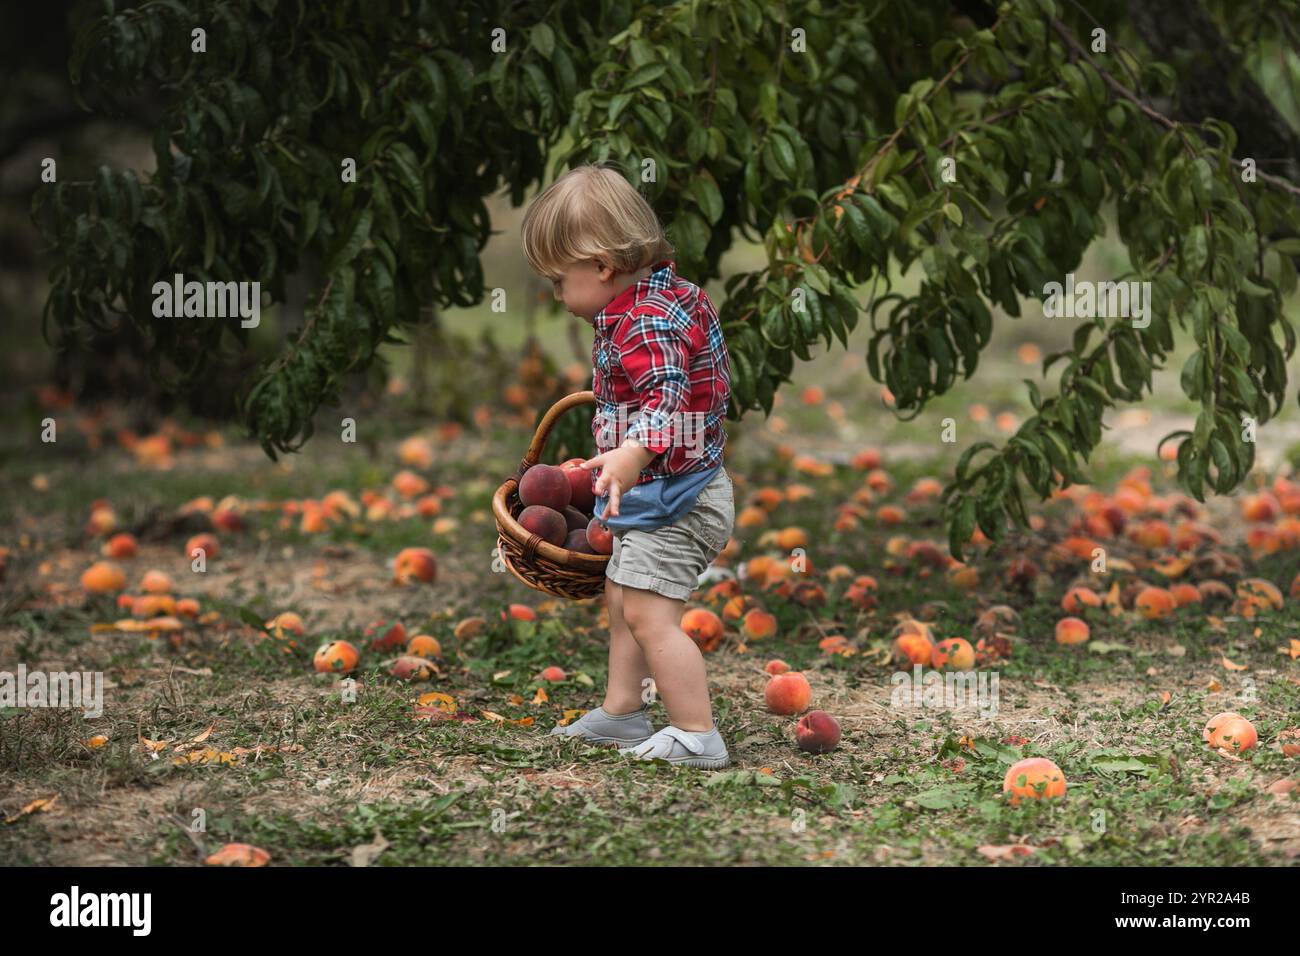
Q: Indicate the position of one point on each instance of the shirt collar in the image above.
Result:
(662, 276)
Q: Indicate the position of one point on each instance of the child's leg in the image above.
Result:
(627, 665)
(673, 658)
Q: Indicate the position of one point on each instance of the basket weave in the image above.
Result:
(533, 560)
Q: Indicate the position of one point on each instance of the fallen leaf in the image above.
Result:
(540, 697)
(1235, 667)
(41, 805)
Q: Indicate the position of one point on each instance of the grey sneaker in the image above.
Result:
(599, 727)
(683, 748)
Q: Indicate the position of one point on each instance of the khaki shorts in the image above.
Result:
(670, 560)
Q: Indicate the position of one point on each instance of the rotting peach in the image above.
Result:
(286, 622)
(1230, 731)
(386, 635)
(411, 668)
(336, 657)
(1071, 630)
(1033, 778)
(1078, 598)
(788, 694)
(817, 732)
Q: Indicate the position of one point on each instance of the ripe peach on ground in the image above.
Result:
(788, 693)
(1185, 594)
(103, 577)
(386, 635)
(121, 546)
(817, 732)
(890, 515)
(553, 673)
(422, 645)
(187, 607)
(1261, 507)
(1071, 630)
(204, 542)
(336, 657)
(1033, 778)
(1230, 731)
(546, 485)
(227, 519)
(1154, 603)
(580, 494)
(996, 618)
(703, 627)
(867, 460)
(519, 612)
(776, 666)
(415, 564)
(153, 605)
(913, 648)
(758, 624)
(546, 522)
(416, 453)
(156, 582)
(409, 485)
(953, 653)
(1153, 534)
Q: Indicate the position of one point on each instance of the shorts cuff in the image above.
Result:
(635, 579)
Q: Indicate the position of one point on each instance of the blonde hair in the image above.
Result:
(588, 212)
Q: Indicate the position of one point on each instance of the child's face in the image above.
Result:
(586, 287)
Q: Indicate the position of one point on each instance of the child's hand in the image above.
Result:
(619, 470)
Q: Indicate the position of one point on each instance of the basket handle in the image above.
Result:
(538, 444)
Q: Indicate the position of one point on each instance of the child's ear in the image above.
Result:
(604, 270)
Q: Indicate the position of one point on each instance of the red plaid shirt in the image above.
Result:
(661, 374)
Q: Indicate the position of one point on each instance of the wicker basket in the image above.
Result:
(534, 561)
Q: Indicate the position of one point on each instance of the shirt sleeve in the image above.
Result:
(655, 355)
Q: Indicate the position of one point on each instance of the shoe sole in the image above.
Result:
(699, 763)
(603, 741)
